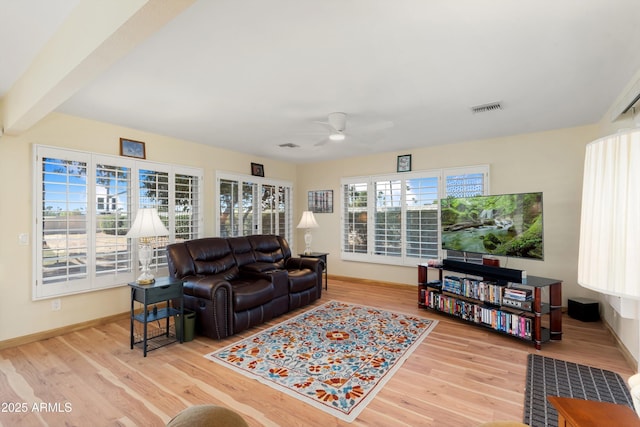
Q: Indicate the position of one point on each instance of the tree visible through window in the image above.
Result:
(86, 206)
(247, 206)
(395, 218)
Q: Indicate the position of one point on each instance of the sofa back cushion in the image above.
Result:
(213, 256)
(242, 250)
(179, 261)
(284, 245)
(267, 248)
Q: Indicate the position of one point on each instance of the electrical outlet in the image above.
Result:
(56, 304)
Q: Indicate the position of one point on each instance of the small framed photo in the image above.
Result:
(404, 163)
(321, 201)
(257, 169)
(131, 148)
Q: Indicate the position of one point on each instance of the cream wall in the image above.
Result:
(19, 315)
(551, 162)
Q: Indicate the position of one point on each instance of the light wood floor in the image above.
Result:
(460, 375)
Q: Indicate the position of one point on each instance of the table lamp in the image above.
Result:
(308, 221)
(146, 227)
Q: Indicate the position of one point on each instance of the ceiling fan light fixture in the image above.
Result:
(337, 136)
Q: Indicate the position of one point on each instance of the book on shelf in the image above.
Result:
(520, 294)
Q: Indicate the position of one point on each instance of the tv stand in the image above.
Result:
(479, 299)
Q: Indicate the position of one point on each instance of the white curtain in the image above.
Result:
(609, 253)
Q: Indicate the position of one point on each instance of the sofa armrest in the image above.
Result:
(206, 287)
(313, 264)
(212, 300)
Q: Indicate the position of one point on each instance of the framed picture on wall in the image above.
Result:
(404, 163)
(321, 201)
(131, 148)
(257, 169)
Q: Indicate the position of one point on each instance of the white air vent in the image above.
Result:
(289, 145)
(485, 108)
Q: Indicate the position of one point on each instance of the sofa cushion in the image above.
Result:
(267, 248)
(301, 280)
(213, 256)
(242, 250)
(251, 293)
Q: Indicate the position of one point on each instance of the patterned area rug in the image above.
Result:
(552, 377)
(335, 357)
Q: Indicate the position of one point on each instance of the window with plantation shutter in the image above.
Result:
(85, 204)
(465, 184)
(63, 207)
(421, 213)
(395, 219)
(153, 192)
(113, 254)
(249, 205)
(354, 217)
(388, 217)
(187, 207)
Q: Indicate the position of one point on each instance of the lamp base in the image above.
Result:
(307, 242)
(145, 278)
(144, 254)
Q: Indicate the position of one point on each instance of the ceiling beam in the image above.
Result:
(94, 36)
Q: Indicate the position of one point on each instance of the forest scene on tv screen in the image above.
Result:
(507, 225)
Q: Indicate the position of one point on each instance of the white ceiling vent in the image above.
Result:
(485, 108)
(289, 145)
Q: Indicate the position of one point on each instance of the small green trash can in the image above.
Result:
(187, 328)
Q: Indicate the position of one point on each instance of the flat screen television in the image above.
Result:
(503, 225)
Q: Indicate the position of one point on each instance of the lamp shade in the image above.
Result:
(308, 220)
(147, 224)
(609, 251)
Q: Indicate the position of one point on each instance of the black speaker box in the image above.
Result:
(584, 309)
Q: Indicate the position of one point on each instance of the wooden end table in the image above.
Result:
(590, 413)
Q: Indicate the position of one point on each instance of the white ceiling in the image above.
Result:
(250, 75)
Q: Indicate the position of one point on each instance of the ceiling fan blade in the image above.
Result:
(321, 143)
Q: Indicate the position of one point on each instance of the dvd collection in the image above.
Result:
(473, 288)
(518, 325)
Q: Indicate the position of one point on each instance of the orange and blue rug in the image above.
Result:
(335, 357)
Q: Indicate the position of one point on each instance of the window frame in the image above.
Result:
(92, 280)
(258, 183)
(403, 259)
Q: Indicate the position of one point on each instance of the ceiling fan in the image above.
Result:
(337, 123)
(360, 129)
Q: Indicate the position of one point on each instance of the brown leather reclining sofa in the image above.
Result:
(236, 283)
